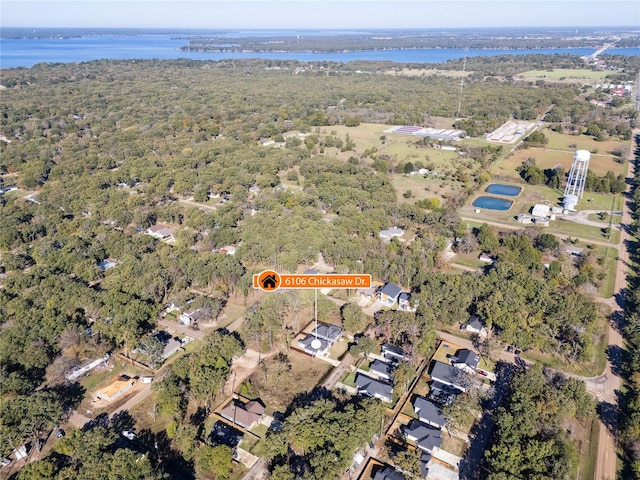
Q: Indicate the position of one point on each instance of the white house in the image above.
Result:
(392, 232)
(161, 232)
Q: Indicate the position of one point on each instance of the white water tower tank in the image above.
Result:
(582, 156)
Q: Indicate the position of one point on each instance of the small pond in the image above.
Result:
(502, 189)
(492, 203)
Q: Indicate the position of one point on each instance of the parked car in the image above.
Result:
(481, 372)
(60, 433)
(129, 435)
(4, 462)
(510, 349)
(517, 352)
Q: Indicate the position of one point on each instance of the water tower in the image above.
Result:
(575, 183)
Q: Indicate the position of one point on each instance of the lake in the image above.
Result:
(29, 52)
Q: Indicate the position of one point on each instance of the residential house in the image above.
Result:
(404, 302)
(381, 369)
(106, 265)
(388, 473)
(466, 360)
(391, 233)
(486, 258)
(450, 375)
(428, 412)
(116, 388)
(171, 344)
(191, 316)
(246, 415)
(367, 293)
(392, 353)
(306, 345)
(389, 294)
(161, 232)
(441, 393)
(330, 333)
(474, 325)
(374, 388)
(427, 438)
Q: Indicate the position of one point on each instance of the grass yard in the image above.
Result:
(565, 75)
(453, 445)
(349, 380)
(607, 287)
(589, 450)
(595, 217)
(422, 188)
(305, 374)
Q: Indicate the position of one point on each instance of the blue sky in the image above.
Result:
(325, 14)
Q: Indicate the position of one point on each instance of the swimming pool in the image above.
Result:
(502, 189)
(492, 203)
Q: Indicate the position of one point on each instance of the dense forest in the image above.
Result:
(101, 151)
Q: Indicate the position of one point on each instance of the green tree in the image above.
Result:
(353, 319)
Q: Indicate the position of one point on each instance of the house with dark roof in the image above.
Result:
(389, 294)
(441, 393)
(466, 360)
(388, 473)
(425, 459)
(245, 415)
(392, 353)
(427, 438)
(330, 333)
(475, 325)
(374, 388)
(404, 302)
(450, 375)
(381, 369)
(305, 344)
(428, 412)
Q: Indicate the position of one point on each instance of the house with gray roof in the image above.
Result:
(475, 325)
(388, 473)
(428, 412)
(381, 369)
(374, 388)
(305, 344)
(392, 353)
(389, 294)
(391, 233)
(404, 302)
(330, 333)
(466, 360)
(427, 438)
(450, 375)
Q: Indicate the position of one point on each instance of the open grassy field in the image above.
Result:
(568, 75)
(421, 187)
(547, 158)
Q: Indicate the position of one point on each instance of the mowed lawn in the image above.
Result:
(565, 75)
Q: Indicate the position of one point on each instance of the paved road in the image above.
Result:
(258, 471)
(607, 457)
